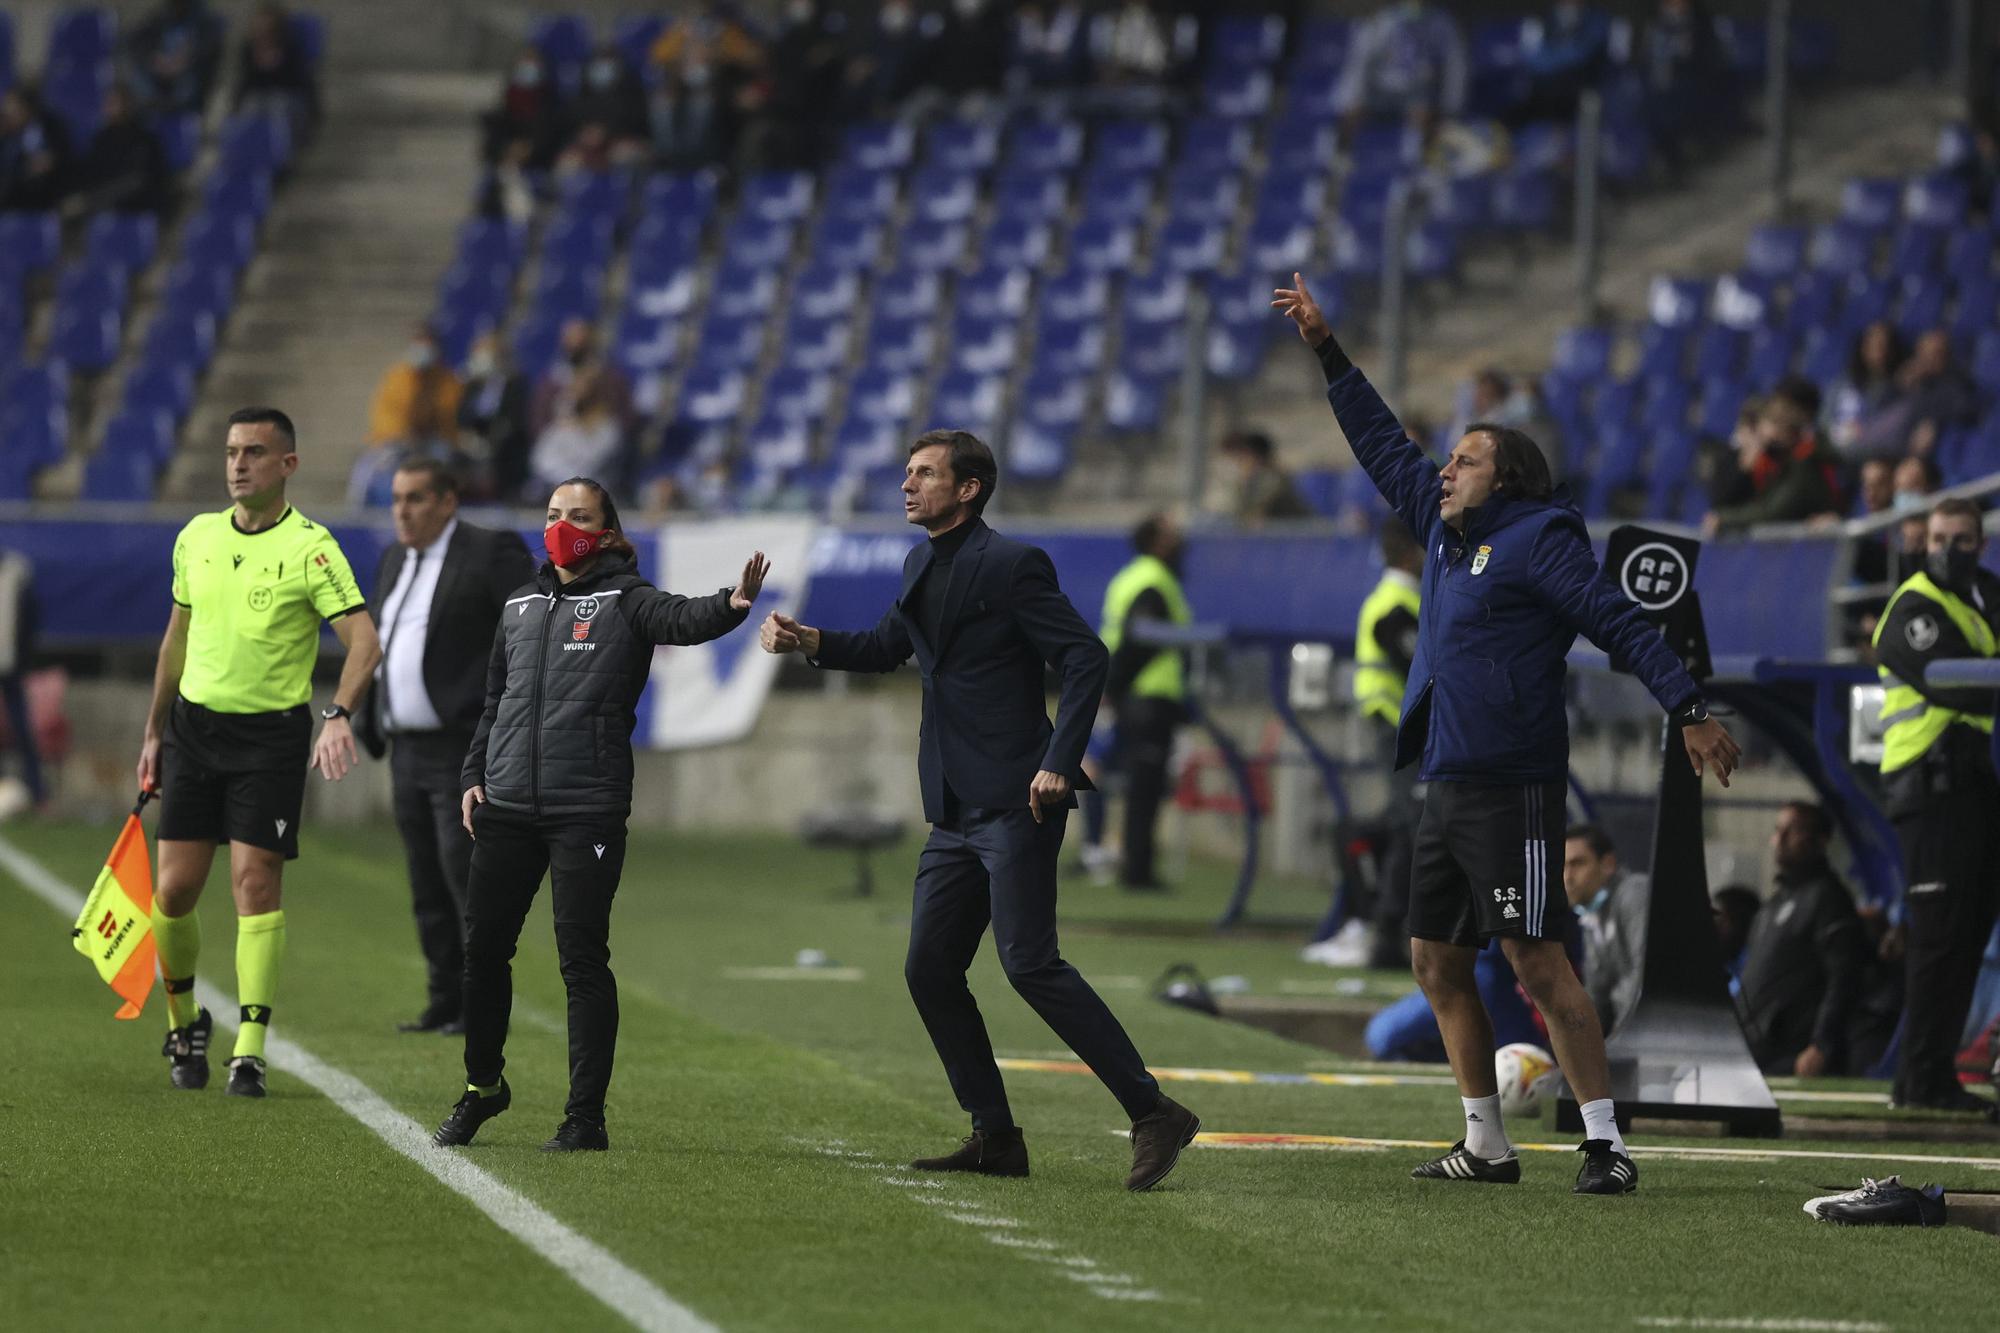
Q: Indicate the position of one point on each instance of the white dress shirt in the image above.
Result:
(406, 621)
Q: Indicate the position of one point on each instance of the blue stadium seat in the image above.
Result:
(158, 388)
(1936, 201)
(1075, 293)
(879, 394)
(1465, 202)
(1039, 452)
(645, 345)
(1920, 304)
(1718, 352)
(1302, 145)
(1279, 245)
(578, 242)
(943, 194)
(1128, 147)
(777, 443)
(120, 475)
(865, 443)
(1582, 354)
(907, 293)
(1815, 300)
(983, 347)
(1430, 252)
(776, 196)
(1871, 203)
(824, 291)
(1358, 252)
(1193, 245)
(878, 146)
(1545, 146)
(860, 194)
(1134, 403)
(847, 243)
(687, 196)
(1248, 41)
(565, 42)
(932, 246)
(1153, 350)
(1117, 198)
(593, 194)
(1156, 297)
(180, 139)
(1032, 196)
(1213, 145)
(1524, 200)
(1968, 254)
(901, 347)
(1841, 247)
(1743, 301)
(664, 287)
(961, 145)
(1235, 351)
(800, 397)
(1915, 250)
(1075, 345)
(1823, 354)
(1985, 365)
(1320, 51)
(816, 343)
(1775, 251)
(729, 342)
(1015, 243)
(711, 395)
(1677, 303)
(968, 400)
(1197, 195)
(752, 240)
(570, 293)
(1973, 311)
(29, 242)
(994, 291)
(1045, 146)
(1717, 406)
(1237, 93)
(1106, 246)
(180, 337)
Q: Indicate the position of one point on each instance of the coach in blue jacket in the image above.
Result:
(985, 619)
(1509, 582)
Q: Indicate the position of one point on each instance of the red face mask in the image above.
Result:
(570, 545)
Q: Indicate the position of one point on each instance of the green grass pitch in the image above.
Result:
(756, 1122)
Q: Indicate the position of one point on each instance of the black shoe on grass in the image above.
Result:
(1157, 1141)
(1882, 1203)
(1458, 1164)
(246, 1077)
(1605, 1170)
(1001, 1153)
(578, 1134)
(186, 1050)
(469, 1114)
(1953, 1098)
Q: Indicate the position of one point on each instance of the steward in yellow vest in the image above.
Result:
(1147, 686)
(1941, 791)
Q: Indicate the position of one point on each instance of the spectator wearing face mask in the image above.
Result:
(1404, 63)
(493, 410)
(34, 152)
(785, 112)
(172, 55)
(719, 38)
(414, 414)
(691, 113)
(578, 359)
(586, 436)
(1562, 56)
(271, 69)
(525, 127)
(612, 103)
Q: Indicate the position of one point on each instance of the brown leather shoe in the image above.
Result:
(1004, 1153)
(1157, 1141)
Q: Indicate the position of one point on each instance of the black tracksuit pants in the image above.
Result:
(424, 779)
(583, 856)
(999, 867)
(1951, 861)
(1145, 744)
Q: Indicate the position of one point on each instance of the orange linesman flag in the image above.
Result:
(115, 928)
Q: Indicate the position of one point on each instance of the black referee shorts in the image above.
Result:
(234, 777)
(1488, 861)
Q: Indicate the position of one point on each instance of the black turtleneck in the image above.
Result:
(937, 580)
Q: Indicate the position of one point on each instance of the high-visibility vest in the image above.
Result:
(1163, 677)
(1911, 724)
(1378, 688)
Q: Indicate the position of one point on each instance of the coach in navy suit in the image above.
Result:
(985, 619)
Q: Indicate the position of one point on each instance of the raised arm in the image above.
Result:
(1383, 448)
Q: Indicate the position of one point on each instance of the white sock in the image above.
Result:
(1485, 1136)
(1599, 1122)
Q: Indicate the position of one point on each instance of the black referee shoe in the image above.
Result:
(246, 1077)
(578, 1134)
(1458, 1164)
(186, 1050)
(469, 1114)
(1605, 1170)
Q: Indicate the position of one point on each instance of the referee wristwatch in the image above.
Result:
(332, 711)
(1693, 714)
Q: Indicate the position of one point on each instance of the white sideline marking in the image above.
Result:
(998, 1230)
(793, 974)
(628, 1293)
(1805, 1325)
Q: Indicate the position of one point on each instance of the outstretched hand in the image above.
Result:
(1709, 745)
(751, 583)
(781, 634)
(1296, 304)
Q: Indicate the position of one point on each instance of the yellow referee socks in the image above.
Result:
(260, 944)
(178, 939)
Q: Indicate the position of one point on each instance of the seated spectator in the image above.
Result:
(1875, 495)
(892, 58)
(784, 114)
(1406, 62)
(1792, 477)
(577, 357)
(416, 402)
(1870, 414)
(272, 72)
(1725, 469)
(1735, 907)
(1802, 966)
(34, 152)
(1561, 57)
(708, 35)
(493, 411)
(172, 55)
(613, 102)
(1046, 47)
(371, 484)
(586, 438)
(1264, 491)
(1610, 905)
(1688, 90)
(691, 114)
(525, 127)
(124, 170)
(1941, 394)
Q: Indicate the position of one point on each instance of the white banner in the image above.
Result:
(711, 693)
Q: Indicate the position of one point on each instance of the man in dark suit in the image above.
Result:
(985, 618)
(439, 590)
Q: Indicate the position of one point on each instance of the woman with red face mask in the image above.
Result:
(548, 787)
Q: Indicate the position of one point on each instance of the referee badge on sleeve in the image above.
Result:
(1479, 560)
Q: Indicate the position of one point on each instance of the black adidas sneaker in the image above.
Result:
(1605, 1170)
(246, 1077)
(186, 1050)
(1458, 1164)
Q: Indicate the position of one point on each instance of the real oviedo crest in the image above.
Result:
(1480, 558)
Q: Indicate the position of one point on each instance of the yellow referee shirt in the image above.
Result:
(255, 601)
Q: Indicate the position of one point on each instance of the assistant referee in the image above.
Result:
(228, 735)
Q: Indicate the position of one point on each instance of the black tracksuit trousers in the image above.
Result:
(583, 856)
(1951, 861)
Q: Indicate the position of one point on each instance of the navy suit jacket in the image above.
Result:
(986, 729)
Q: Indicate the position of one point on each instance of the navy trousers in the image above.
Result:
(999, 867)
